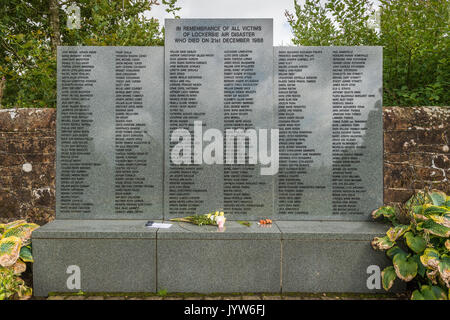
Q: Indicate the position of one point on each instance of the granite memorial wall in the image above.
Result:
(219, 118)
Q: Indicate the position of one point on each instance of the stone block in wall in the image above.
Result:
(27, 120)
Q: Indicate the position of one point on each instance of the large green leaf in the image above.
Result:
(447, 202)
(14, 224)
(418, 209)
(396, 232)
(444, 269)
(395, 250)
(429, 293)
(416, 295)
(26, 255)
(443, 220)
(438, 198)
(434, 228)
(387, 277)
(9, 251)
(22, 230)
(405, 268)
(382, 243)
(430, 258)
(387, 212)
(435, 210)
(418, 199)
(421, 270)
(415, 243)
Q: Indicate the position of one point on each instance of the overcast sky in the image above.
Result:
(236, 9)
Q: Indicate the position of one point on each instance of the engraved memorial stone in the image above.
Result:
(328, 102)
(218, 80)
(110, 133)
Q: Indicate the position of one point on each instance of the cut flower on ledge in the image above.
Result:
(217, 219)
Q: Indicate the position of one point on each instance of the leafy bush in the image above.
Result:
(12, 286)
(420, 247)
(31, 30)
(414, 35)
(15, 252)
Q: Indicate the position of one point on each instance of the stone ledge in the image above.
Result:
(233, 230)
(279, 230)
(95, 229)
(330, 230)
(289, 256)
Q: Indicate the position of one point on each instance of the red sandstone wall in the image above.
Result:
(416, 152)
(27, 141)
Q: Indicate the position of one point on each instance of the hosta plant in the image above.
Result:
(15, 252)
(418, 243)
(12, 286)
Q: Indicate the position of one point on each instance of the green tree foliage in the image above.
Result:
(414, 35)
(30, 30)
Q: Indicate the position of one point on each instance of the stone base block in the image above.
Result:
(126, 256)
(200, 259)
(94, 256)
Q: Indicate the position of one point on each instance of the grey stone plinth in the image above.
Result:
(126, 256)
(240, 259)
(330, 230)
(326, 256)
(102, 229)
(112, 256)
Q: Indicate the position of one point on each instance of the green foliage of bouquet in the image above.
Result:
(212, 218)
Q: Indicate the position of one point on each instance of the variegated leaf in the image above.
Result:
(22, 230)
(435, 210)
(443, 220)
(382, 243)
(387, 212)
(415, 243)
(421, 270)
(437, 197)
(405, 268)
(429, 293)
(434, 228)
(9, 251)
(418, 199)
(417, 295)
(14, 224)
(387, 277)
(395, 250)
(26, 255)
(19, 267)
(444, 269)
(396, 232)
(430, 258)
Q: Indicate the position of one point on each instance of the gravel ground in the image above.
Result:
(299, 296)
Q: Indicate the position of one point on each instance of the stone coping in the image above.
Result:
(330, 230)
(93, 229)
(283, 230)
